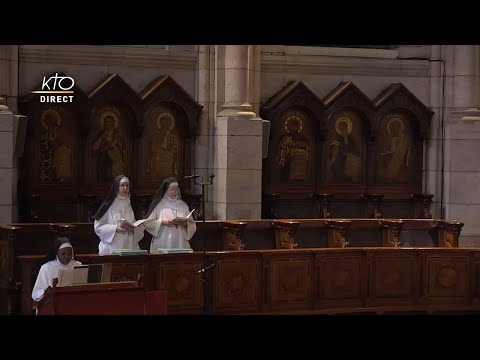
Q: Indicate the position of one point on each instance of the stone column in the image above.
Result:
(9, 75)
(8, 168)
(203, 160)
(237, 83)
(8, 107)
(462, 141)
(238, 140)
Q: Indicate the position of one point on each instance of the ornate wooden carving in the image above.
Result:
(337, 235)
(448, 233)
(348, 129)
(446, 277)
(391, 232)
(374, 204)
(179, 276)
(393, 277)
(297, 121)
(78, 148)
(288, 281)
(307, 281)
(169, 126)
(345, 149)
(340, 281)
(402, 123)
(235, 283)
(285, 234)
(232, 235)
(323, 200)
(51, 168)
(114, 117)
(349, 111)
(422, 205)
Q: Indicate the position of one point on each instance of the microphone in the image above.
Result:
(211, 266)
(194, 176)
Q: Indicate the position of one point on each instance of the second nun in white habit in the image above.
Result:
(167, 205)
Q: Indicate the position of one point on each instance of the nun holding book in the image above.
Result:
(59, 257)
(115, 218)
(170, 220)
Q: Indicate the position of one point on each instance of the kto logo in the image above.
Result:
(56, 87)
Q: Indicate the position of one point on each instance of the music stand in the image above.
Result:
(206, 267)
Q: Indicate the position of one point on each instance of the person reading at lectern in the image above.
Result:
(167, 205)
(59, 257)
(114, 219)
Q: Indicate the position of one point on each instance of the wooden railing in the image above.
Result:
(240, 235)
(334, 280)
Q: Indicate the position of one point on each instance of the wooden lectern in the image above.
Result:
(109, 298)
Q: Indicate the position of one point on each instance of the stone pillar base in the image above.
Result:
(237, 193)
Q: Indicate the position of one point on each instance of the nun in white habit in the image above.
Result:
(60, 257)
(114, 218)
(167, 205)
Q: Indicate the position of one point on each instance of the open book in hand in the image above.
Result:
(180, 219)
(123, 223)
(140, 222)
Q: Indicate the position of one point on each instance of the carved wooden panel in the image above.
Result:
(393, 277)
(169, 126)
(50, 166)
(289, 281)
(57, 146)
(180, 278)
(109, 144)
(162, 146)
(236, 285)
(446, 278)
(292, 153)
(345, 149)
(293, 281)
(339, 278)
(78, 148)
(389, 130)
(395, 154)
(297, 120)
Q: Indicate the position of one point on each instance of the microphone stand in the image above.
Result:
(205, 271)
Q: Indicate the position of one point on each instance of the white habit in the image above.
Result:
(106, 227)
(170, 237)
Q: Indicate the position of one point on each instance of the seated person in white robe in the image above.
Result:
(167, 205)
(61, 256)
(114, 218)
